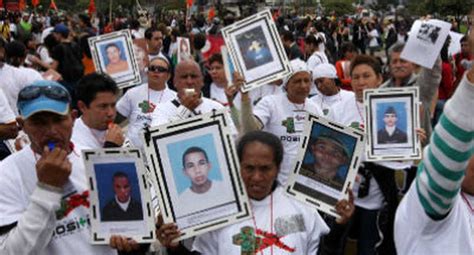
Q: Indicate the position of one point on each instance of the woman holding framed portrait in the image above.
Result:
(375, 189)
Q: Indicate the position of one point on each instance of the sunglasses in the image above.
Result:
(52, 92)
(158, 69)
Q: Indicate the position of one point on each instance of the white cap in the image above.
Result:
(324, 71)
(297, 65)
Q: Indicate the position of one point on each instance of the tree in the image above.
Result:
(340, 7)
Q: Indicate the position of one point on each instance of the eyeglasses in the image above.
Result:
(158, 69)
(53, 92)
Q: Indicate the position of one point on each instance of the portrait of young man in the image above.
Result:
(391, 133)
(123, 207)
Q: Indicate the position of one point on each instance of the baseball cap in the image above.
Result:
(297, 65)
(324, 71)
(333, 137)
(61, 29)
(43, 96)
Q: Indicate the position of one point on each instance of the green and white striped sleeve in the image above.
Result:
(445, 159)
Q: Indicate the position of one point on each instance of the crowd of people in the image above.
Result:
(54, 104)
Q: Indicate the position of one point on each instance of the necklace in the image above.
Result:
(358, 110)
(161, 95)
(271, 221)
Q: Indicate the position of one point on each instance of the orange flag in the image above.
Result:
(189, 3)
(21, 5)
(211, 14)
(35, 2)
(52, 5)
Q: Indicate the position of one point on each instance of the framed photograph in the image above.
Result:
(228, 66)
(394, 115)
(326, 164)
(120, 195)
(256, 50)
(184, 49)
(196, 171)
(114, 54)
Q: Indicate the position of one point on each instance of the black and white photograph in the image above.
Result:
(114, 55)
(425, 45)
(194, 164)
(326, 165)
(120, 195)
(256, 50)
(394, 115)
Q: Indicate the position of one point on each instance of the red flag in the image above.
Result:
(211, 14)
(52, 5)
(35, 2)
(189, 3)
(91, 8)
(21, 5)
(213, 45)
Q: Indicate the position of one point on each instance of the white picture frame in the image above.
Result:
(321, 189)
(114, 174)
(167, 146)
(396, 139)
(256, 50)
(114, 55)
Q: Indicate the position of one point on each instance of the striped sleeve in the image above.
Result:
(445, 159)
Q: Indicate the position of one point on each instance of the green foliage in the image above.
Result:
(340, 7)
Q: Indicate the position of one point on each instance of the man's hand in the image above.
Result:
(345, 209)
(114, 134)
(166, 233)
(191, 101)
(53, 168)
(122, 243)
(8, 131)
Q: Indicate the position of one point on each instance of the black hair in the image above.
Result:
(216, 57)
(194, 149)
(348, 47)
(265, 138)
(119, 174)
(111, 45)
(199, 41)
(91, 84)
(366, 60)
(85, 19)
(149, 32)
(464, 39)
(15, 49)
(311, 39)
(287, 36)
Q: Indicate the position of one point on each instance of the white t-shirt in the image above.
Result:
(13, 80)
(325, 103)
(136, 107)
(373, 41)
(313, 61)
(286, 120)
(297, 227)
(218, 94)
(86, 137)
(7, 115)
(66, 228)
(416, 233)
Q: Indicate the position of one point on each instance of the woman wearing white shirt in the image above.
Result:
(314, 56)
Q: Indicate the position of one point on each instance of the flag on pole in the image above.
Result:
(211, 14)
(35, 2)
(189, 3)
(21, 5)
(91, 8)
(52, 5)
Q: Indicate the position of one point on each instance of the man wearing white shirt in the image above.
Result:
(97, 95)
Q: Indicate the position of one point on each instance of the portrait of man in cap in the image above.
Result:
(390, 133)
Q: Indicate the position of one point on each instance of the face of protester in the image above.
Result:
(310, 48)
(390, 119)
(400, 68)
(113, 54)
(122, 188)
(155, 42)
(157, 76)
(45, 127)
(465, 47)
(196, 167)
(298, 87)
(258, 169)
(100, 112)
(328, 154)
(188, 76)
(364, 77)
(216, 70)
(326, 86)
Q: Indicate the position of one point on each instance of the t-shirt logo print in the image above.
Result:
(252, 242)
(147, 106)
(68, 204)
(289, 123)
